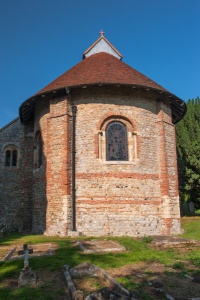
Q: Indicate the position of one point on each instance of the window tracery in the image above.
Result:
(116, 141)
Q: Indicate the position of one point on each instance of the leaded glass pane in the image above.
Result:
(14, 158)
(8, 154)
(116, 142)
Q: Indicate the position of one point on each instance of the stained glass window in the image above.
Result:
(116, 141)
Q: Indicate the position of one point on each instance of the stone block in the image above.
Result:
(27, 278)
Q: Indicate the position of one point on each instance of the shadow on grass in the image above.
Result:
(20, 238)
(68, 253)
(25, 293)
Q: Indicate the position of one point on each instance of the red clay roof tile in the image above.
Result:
(101, 68)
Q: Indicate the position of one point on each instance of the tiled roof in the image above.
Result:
(101, 68)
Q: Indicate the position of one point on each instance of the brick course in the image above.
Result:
(136, 197)
(16, 182)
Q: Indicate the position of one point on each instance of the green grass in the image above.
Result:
(178, 265)
(128, 284)
(14, 238)
(28, 293)
(191, 226)
(138, 250)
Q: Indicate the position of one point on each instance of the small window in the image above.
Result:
(38, 152)
(11, 156)
(14, 158)
(8, 155)
(116, 142)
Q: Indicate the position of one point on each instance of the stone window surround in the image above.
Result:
(132, 139)
(11, 148)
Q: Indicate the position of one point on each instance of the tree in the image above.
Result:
(188, 153)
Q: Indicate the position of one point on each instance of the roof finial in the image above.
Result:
(101, 32)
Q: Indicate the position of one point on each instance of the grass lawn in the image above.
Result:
(191, 226)
(170, 264)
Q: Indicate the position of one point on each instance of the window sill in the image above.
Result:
(119, 162)
(11, 168)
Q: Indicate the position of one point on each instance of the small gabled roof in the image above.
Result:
(102, 45)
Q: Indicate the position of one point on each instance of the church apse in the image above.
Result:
(125, 159)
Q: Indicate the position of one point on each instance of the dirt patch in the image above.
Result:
(170, 242)
(52, 283)
(100, 246)
(145, 281)
(150, 280)
(88, 284)
(155, 280)
(4, 250)
(38, 250)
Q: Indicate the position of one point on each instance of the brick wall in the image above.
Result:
(15, 182)
(39, 173)
(136, 197)
(52, 183)
(127, 198)
(168, 171)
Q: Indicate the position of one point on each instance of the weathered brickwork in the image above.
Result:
(136, 197)
(16, 181)
(39, 173)
(168, 171)
(108, 193)
(28, 160)
(54, 125)
(94, 152)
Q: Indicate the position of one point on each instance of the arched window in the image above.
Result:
(11, 156)
(14, 158)
(116, 142)
(8, 156)
(38, 152)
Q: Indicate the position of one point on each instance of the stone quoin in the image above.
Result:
(93, 152)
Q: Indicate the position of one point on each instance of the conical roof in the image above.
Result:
(100, 68)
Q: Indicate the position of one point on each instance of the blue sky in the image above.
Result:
(41, 39)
